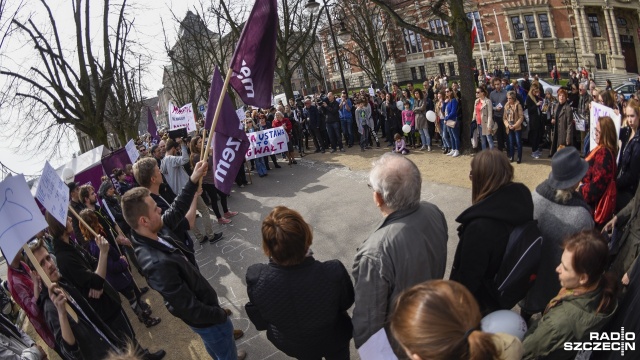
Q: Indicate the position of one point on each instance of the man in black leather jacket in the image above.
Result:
(330, 109)
(170, 267)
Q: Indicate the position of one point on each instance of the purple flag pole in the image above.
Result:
(151, 126)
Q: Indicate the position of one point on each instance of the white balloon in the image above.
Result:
(406, 128)
(68, 175)
(504, 321)
(400, 105)
(431, 116)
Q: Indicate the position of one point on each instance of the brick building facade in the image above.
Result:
(602, 36)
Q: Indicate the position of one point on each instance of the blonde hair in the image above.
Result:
(440, 320)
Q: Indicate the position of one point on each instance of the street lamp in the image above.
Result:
(313, 7)
(524, 42)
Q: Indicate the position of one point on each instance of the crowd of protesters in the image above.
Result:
(587, 213)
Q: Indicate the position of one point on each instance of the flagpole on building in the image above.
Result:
(484, 68)
(217, 113)
(504, 57)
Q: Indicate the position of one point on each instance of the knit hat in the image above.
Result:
(72, 186)
(567, 168)
(104, 187)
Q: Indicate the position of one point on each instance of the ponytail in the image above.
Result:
(481, 346)
(609, 286)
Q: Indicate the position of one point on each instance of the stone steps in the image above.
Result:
(616, 79)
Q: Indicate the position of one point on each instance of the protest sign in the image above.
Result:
(372, 92)
(53, 194)
(267, 142)
(377, 347)
(598, 111)
(240, 113)
(132, 151)
(182, 117)
(20, 217)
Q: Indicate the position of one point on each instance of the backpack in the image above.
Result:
(519, 264)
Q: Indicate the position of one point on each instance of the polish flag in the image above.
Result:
(474, 34)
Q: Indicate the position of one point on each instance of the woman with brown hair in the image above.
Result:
(562, 123)
(498, 205)
(629, 171)
(585, 303)
(440, 320)
(300, 301)
(484, 118)
(513, 118)
(442, 128)
(118, 274)
(602, 169)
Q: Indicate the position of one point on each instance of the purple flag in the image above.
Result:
(254, 60)
(230, 143)
(151, 126)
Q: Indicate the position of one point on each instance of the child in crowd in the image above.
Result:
(400, 145)
(364, 128)
(409, 118)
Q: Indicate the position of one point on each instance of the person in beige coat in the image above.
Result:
(562, 122)
(513, 118)
(483, 114)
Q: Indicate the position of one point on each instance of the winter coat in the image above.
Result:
(484, 232)
(572, 319)
(118, 274)
(535, 115)
(509, 347)
(629, 243)
(564, 124)
(514, 114)
(302, 307)
(407, 248)
(629, 165)
(602, 167)
(488, 125)
(420, 110)
(556, 221)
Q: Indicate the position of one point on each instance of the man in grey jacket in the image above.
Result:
(407, 248)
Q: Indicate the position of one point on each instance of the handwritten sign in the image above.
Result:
(598, 111)
(132, 151)
(372, 92)
(53, 194)
(20, 218)
(182, 117)
(267, 142)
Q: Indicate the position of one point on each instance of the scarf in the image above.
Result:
(564, 293)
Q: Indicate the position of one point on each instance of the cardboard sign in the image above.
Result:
(267, 142)
(20, 217)
(598, 111)
(183, 117)
(132, 150)
(53, 194)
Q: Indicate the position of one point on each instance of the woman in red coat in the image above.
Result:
(602, 168)
(280, 120)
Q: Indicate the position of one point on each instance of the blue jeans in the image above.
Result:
(424, 137)
(218, 340)
(334, 135)
(347, 130)
(514, 139)
(454, 136)
(444, 129)
(260, 165)
(485, 140)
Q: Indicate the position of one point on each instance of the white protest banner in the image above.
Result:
(182, 117)
(53, 194)
(240, 113)
(132, 151)
(372, 92)
(598, 111)
(266, 142)
(20, 217)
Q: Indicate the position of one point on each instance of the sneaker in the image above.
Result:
(450, 152)
(342, 149)
(423, 148)
(278, 166)
(429, 148)
(223, 221)
(332, 151)
(237, 334)
(456, 153)
(204, 240)
(230, 214)
(216, 237)
(242, 354)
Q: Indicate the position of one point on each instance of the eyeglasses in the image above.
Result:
(477, 92)
(447, 91)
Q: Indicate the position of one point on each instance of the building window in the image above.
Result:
(531, 26)
(423, 72)
(452, 69)
(441, 68)
(544, 25)
(385, 51)
(601, 61)
(595, 27)
(412, 42)
(334, 64)
(524, 66)
(621, 21)
(300, 72)
(438, 27)
(414, 74)
(476, 15)
(551, 61)
(361, 80)
(345, 63)
(515, 22)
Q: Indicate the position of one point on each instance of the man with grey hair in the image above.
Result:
(408, 247)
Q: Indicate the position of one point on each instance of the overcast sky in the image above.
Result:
(148, 17)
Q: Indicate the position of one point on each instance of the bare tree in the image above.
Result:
(68, 87)
(313, 64)
(454, 13)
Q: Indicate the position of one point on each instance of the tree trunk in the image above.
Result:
(286, 83)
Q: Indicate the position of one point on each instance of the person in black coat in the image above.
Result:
(629, 165)
(300, 301)
(536, 126)
(498, 205)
